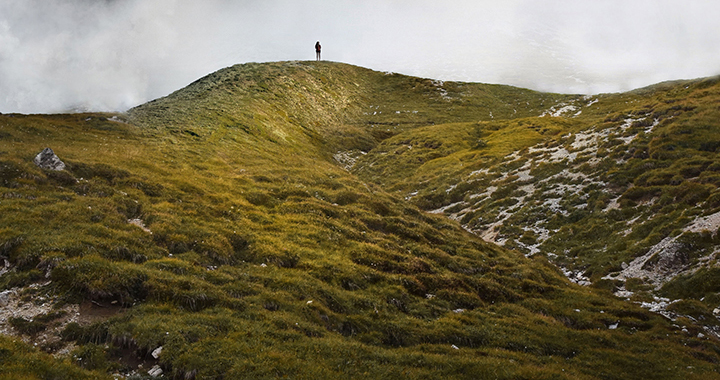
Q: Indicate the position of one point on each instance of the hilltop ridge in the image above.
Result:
(346, 106)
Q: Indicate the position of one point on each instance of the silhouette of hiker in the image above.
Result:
(317, 50)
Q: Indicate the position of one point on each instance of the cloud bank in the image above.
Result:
(109, 55)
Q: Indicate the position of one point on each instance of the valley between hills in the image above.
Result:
(318, 219)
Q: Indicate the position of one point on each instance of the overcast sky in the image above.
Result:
(109, 55)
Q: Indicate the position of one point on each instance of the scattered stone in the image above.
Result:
(709, 223)
(701, 335)
(347, 159)
(14, 305)
(5, 298)
(139, 223)
(155, 371)
(5, 268)
(614, 326)
(455, 347)
(663, 261)
(156, 352)
(48, 160)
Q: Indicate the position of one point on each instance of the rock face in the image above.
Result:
(48, 160)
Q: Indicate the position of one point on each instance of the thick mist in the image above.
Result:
(109, 55)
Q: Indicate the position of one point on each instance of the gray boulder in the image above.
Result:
(48, 160)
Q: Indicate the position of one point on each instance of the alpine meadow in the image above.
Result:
(321, 220)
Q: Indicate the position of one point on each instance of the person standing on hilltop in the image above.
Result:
(317, 50)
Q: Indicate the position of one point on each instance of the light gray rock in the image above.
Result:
(156, 352)
(155, 371)
(48, 160)
(5, 298)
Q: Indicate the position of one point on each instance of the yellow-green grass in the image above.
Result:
(19, 361)
(263, 258)
(662, 180)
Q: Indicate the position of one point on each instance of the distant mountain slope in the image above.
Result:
(212, 234)
(611, 187)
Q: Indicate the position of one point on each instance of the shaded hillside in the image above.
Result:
(211, 234)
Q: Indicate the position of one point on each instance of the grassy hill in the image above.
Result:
(618, 187)
(221, 224)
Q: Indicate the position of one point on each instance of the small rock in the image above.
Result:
(624, 265)
(141, 224)
(701, 335)
(455, 347)
(458, 311)
(155, 371)
(156, 352)
(716, 311)
(48, 160)
(614, 326)
(5, 298)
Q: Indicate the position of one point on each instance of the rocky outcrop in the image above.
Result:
(660, 264)
(48, 160)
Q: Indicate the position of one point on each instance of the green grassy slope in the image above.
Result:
(619, 177)
(259, 256)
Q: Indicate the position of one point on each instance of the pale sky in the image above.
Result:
(110, 55)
